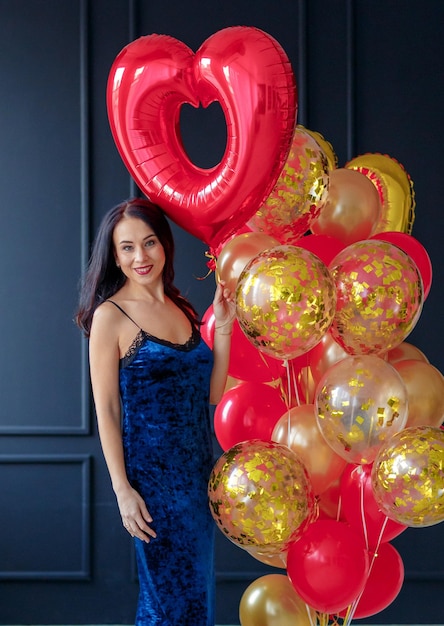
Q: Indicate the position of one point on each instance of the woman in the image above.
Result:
(153, 379)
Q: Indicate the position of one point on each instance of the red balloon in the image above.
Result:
(384, 582)
(249, 74)
(325, 247)
(416, 252)
(328, 566)
(207, 328)
(360, 509)
(246, 362)
(247, 411)
(329, 502)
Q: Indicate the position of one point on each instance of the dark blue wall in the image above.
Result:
(370, 79)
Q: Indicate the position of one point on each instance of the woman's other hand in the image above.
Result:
(135, 515)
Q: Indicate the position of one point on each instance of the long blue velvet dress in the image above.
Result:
(168, 453)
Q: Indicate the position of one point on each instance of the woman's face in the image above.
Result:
(138, 251)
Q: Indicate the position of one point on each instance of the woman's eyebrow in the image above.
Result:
(130, 241)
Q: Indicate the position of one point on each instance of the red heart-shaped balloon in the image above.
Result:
(249, 74)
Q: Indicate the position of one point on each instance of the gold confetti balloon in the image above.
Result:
(276, 558)
(379, 297)
(361, 402)
(285, 301)
(327, 147)
(408, 477)
(299, 193)
(260, 495)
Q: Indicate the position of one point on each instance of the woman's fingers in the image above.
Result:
(136, 517)
(139, 528)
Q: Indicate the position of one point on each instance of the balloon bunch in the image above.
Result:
(330, 423)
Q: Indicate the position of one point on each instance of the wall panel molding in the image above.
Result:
(47, 537)
(351, 79)
(302, 66)
(44, 383)
(85, 195)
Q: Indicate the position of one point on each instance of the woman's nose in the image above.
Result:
(141, 253)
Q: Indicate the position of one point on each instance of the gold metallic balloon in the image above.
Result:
(406, 351)
(352, 209)
(285, 301)
(298, 429)
(324, 355)
(360, 402)
(425, 392)
(408, 477)
(379, 297)
(272, 601)
(299, 193)
(260, 495)
(395, 188)
(235, 255)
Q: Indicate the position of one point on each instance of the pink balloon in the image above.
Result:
(328, 565)
(244, 69)
(247, 411)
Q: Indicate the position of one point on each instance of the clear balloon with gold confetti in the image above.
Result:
(408, 477)
(260, 495)
(285, 301)
(379, 297)
(361, 402)
(299, 193)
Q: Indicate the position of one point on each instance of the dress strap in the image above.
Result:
(124, 312)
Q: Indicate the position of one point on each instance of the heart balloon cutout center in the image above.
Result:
(204, 134)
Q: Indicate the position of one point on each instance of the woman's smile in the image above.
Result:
(142, 271)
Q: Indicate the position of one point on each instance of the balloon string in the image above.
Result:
(323, 619)
(361, 504)
(210, 271)
(211, 266)
(311, 619)
(381, 533)
(288, 398)
(296, 391)
(338, 514)
(346, 619)
(372, 562)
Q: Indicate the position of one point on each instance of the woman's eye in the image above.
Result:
(150, 242)
(127, 248)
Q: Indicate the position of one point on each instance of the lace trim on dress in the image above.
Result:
(133, 349)
(143, 336)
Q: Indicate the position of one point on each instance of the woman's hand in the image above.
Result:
(224, 309)
(224, 314)
(135, 515)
